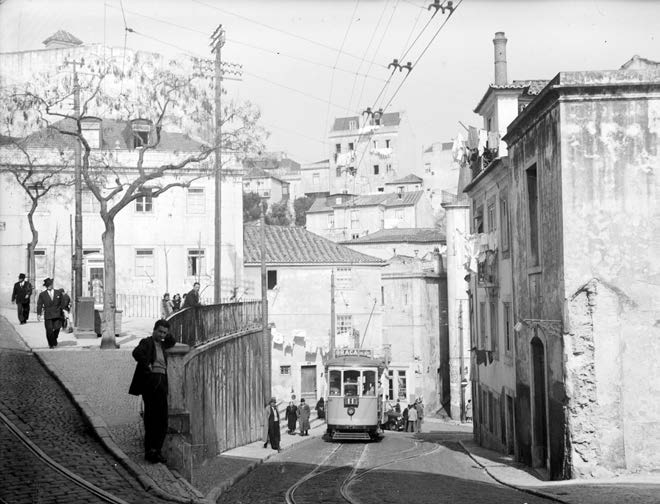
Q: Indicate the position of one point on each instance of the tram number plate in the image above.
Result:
(351, 401)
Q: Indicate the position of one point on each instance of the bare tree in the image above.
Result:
(36, 176)
(160, 97)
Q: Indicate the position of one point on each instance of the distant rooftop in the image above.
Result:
(401, 235)
(296, 245)
(527, 88)
(409, 198)
(387, 119)
(408, 179)
(62, 38)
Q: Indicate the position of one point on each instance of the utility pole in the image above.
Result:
(217, 41)
(264, 303)
(333, 328)
(78, 228)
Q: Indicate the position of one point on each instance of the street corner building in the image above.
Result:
(564, 271)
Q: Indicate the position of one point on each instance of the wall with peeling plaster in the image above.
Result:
(594, 300)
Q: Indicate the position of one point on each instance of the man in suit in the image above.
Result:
(21, 295)
(50, 303)
(272, 425)
(150, 381)
(192, 298)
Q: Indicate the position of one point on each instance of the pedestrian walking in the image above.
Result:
(412, 419)
(150, 381)
(291, 417)
(320, 408)
(192, 298)
(176, 302)
(468, 411)
(21, 296)
(303, 417)
(272, 425)
(419, 406)
(50, 303)
(66, 311)
(166, 306)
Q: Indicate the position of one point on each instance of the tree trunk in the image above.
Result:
(109, 289)
(32, 263)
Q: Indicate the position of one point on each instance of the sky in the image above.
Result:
(306, 62)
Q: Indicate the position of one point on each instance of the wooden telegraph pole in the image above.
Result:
(217, 41)
(78, 228)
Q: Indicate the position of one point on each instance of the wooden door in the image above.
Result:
(308, 384)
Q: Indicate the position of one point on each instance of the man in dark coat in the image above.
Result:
(192, 298)
(50, 303)
(272, 425)
(21, 296)
(150, 381)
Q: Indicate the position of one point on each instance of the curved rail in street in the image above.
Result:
(354, 475)
(43, 457)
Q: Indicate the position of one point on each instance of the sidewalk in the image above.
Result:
(633, 488)
(115, 415)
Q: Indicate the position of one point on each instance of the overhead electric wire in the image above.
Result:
(451, 13)
(380, 42)
(247, 44)
(245, 72)
(311, 41)
(366, 51)
(332, 78)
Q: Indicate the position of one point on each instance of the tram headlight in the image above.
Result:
(350, 411)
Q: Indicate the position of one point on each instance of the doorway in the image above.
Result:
(308, 384)
(539, 401)
(509, 425)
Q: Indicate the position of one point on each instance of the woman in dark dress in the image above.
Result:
(291, 417)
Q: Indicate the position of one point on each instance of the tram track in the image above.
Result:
(355, 474)
(37, 452)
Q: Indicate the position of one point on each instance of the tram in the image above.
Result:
(353, 408)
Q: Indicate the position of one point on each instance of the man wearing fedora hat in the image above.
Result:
(272, 425)
(21, 296)
(50, 303)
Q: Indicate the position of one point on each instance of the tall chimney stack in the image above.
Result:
(499, 43)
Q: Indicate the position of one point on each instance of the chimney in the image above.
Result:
(499, 43)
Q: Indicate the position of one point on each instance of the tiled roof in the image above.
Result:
(530, 87)
(296, 245)
(114, 135)
(63, 36)
(408, 198)
(258, 173)
(387, 119)
(402, 235)
(408, 179)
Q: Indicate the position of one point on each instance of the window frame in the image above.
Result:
(141, 271)
(197, 267)
(271, 279)
(196, 190)
(142, 202)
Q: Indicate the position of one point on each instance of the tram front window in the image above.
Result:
(334, 380)
(369, 383)
(351, 379)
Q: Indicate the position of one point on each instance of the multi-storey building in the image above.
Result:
(345, 216)
(369, 151)
(314, 178)
(575, 206)
(268, 186)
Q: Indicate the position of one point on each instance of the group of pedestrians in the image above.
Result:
(54, 304)
(298, 414)
(178, 302)
(413, 416)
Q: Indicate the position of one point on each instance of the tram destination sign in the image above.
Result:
(354, 352)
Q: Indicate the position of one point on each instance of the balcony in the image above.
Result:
(478, 163)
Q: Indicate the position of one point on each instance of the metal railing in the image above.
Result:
(198, 325)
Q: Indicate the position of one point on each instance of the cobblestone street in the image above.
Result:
(34, 402)
(428, 468)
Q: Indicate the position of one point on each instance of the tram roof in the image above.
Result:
(355, 361)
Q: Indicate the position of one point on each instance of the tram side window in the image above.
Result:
(351, 379)
(369, 383)
(335, 383)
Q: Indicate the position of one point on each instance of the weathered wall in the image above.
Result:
(538, 292)
(610, 159)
